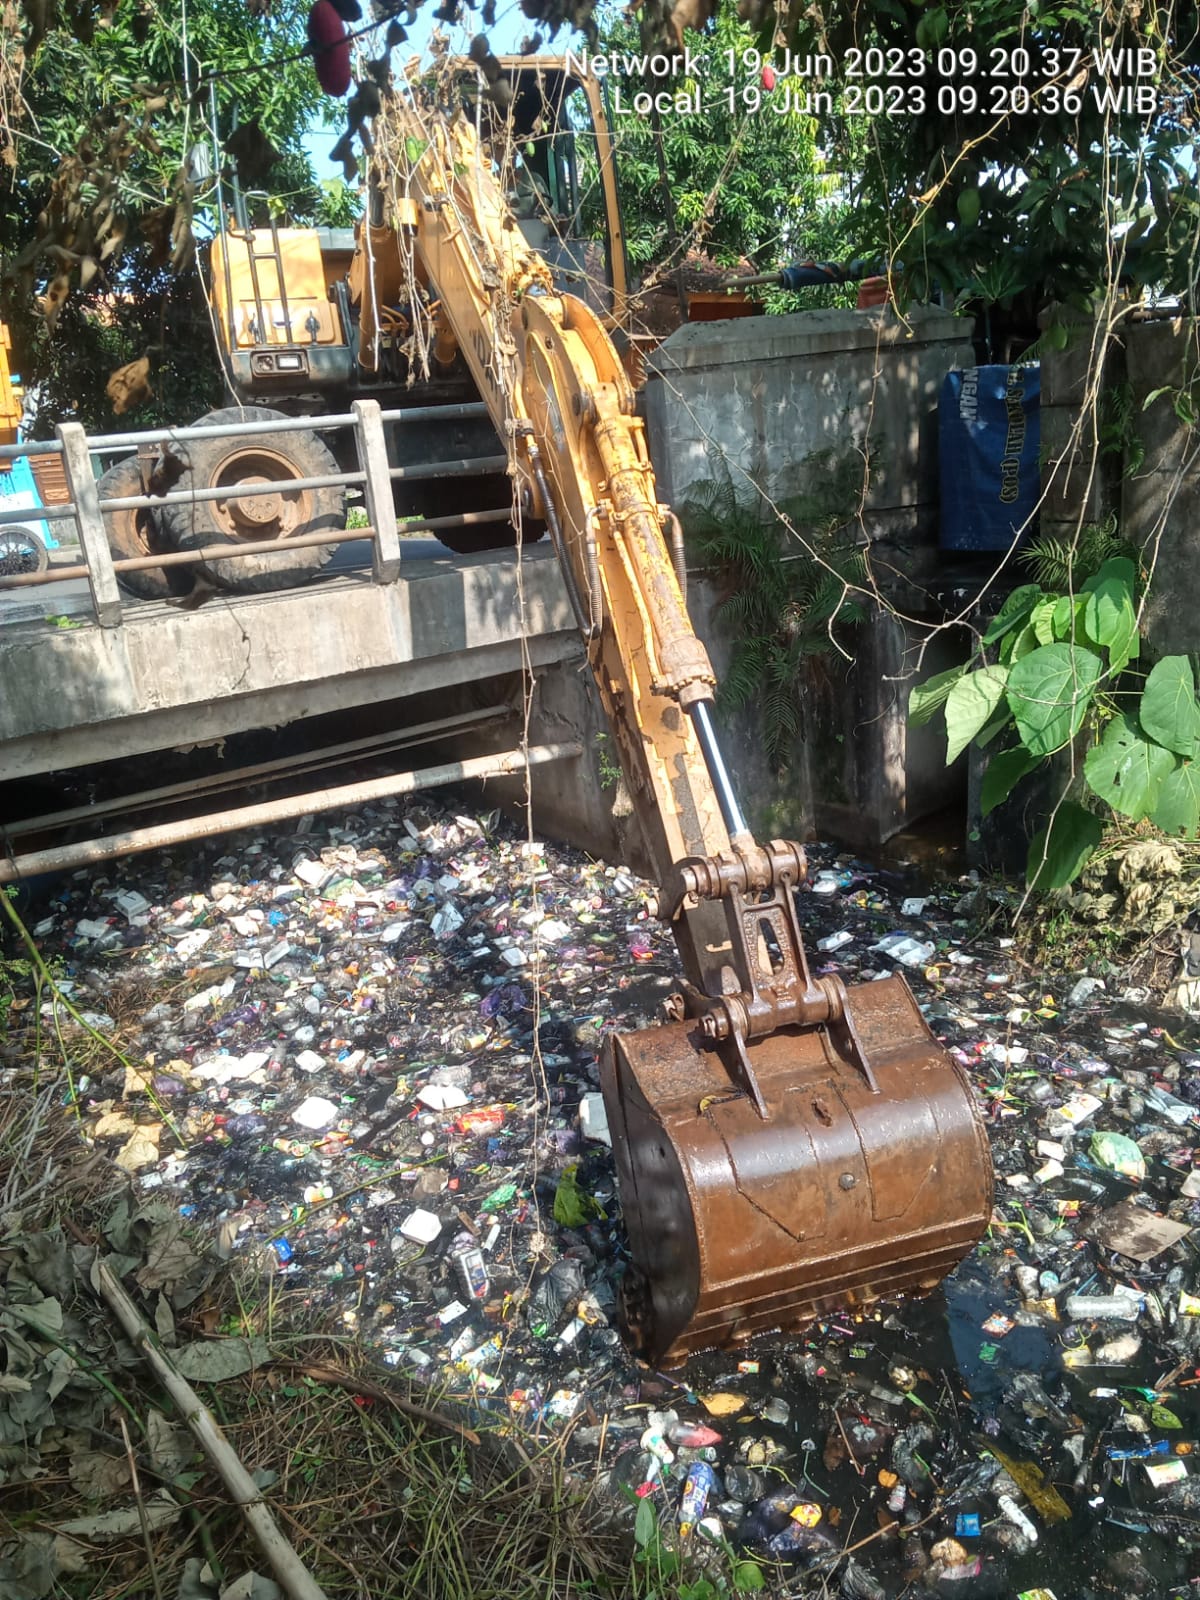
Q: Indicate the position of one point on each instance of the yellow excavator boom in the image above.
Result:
(782, 1144)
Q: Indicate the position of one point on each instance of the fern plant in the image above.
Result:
(782, 599)
(1062, 563)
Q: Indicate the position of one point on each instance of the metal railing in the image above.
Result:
(374, 476)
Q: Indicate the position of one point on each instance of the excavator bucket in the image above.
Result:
(854, 1184)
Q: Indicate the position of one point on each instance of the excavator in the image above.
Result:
(783, 1144)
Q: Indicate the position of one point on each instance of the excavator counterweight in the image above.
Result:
(783, 1144)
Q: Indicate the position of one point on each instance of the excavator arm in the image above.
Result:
(779, 1148)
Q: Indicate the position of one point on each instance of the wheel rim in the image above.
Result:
(266, 516)
(18, 554)
(131, 530)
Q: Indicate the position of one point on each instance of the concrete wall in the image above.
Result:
(778, 400)
(167, 677)
(1160, 502)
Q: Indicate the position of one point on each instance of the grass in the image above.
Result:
(378, 1502)
(385, 1491)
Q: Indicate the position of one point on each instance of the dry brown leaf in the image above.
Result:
(129, 385)
(55, 298)
(690, 14)
(141, 1150)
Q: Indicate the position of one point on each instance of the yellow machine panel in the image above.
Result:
(304, 286)
(11, 406)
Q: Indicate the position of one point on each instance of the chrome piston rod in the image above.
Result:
(731, 811)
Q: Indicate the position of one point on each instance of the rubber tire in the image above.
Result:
(191, 527)
(138, 533)
(34, 546)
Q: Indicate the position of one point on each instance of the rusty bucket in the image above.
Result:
(846, 1190)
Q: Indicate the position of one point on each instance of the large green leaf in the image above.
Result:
(1041, 620)
(969, 705)
(928, 696)
(1127, 769)
(1178, 808)
(645, 1524)
(1016, 609)
(1049, 691)
(1004, 771)
(1108, 613)
(1168, 711)
(1117, 569)
(1058, 853)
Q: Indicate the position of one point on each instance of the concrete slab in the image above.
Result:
(168, 677)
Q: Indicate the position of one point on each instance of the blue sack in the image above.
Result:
(989, 442)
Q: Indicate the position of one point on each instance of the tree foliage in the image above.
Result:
(100, 205)
(734, 182)
(1008, 168)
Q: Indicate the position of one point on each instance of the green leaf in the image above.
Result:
(1066, 609)
(970, 704)
(646, 1524)
(1126, 769)
(967, 205)
(1020, 644)
(1117, 568)
(1178, 808)
(1049, 692)
(1000, 719)
(1058, 853)
(1004, 771)
(1108, 613)
(1168, 711)
(1015, 609)
(928, 696)
(1163, 1417)
(747, 1576)
(573, 1205)
(1154, 395)
(1041, 620)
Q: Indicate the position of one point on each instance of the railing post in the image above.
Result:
(381, 508)
(81, 485)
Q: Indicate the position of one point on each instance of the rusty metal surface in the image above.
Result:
(739, 1224)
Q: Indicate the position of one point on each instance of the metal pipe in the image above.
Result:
(309, 761)
(30, 447)
(260, 547)
(102, 443)
(91, 852)
(281, 284)
(469, 468)
(731, 811)
(230, 491)
(36, 514)
(460, 411)
(189, 558)
(463, 411)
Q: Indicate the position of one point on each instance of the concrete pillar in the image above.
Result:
(1160, 503)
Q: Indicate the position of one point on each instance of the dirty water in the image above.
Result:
(378, 1042)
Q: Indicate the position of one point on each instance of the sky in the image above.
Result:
(511, 27)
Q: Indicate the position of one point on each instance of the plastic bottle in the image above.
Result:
(1012, 1511)
(699, 1484)
(1124, 1307)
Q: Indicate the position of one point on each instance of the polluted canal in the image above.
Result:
(366, 1060)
